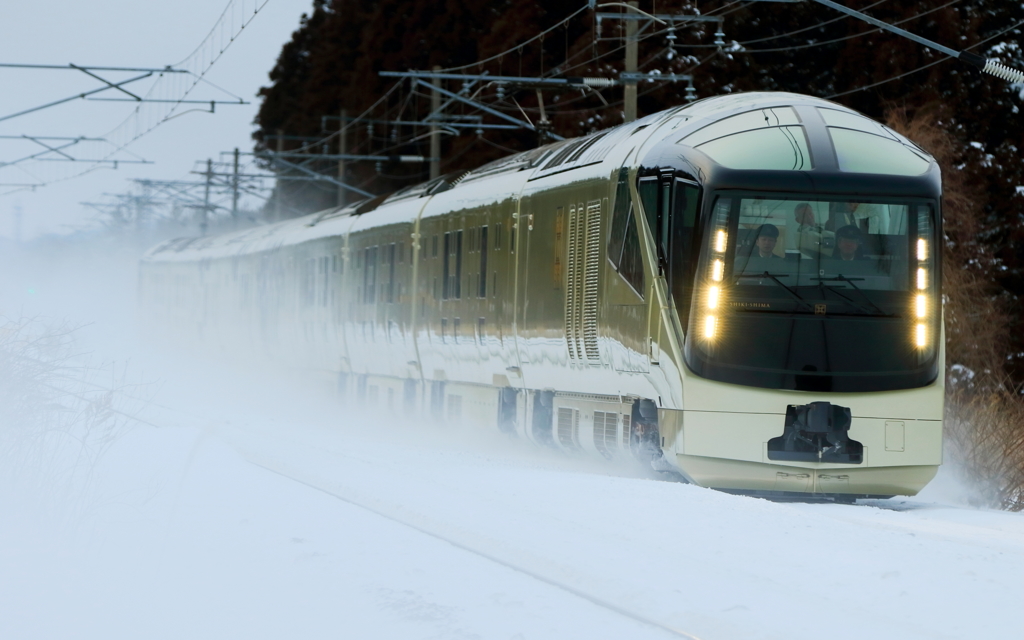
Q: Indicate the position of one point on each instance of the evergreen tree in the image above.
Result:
(334, 58)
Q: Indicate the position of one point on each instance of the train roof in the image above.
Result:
(770, 131)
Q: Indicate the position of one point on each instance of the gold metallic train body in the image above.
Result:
(492, 298)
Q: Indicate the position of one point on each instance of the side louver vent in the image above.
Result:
(569, 427)
(574, 286)
(605, 432)
(583, 269)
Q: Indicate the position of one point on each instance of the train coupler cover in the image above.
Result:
(816, 432)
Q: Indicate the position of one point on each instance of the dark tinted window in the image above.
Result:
(624, 242)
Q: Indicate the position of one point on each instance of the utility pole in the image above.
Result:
(629, 108)
(234, 188)
(342, 150)
(277, 191)
(206, 198)
(435, 132)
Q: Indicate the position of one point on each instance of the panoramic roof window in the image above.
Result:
(860, 152)
(775, 148)
(760, 119)
(846, 120)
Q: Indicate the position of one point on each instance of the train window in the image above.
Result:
(845, 120)
(800, 292)
(631, 265)
(749, 121)
(647, 189)
(680, 253)
(452, 282)
(860, 152)
(620, 216)
(370, 275)
(483, 262)
(433, 244)
(778, 148)
(624, 242)
(497, 236)
(390, 260)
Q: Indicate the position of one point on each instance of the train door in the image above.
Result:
(670, 208)
(503, 280)
(523, 232)
(626, 293)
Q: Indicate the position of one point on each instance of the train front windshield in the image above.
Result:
(815, 294)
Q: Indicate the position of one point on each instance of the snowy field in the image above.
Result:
(253, 504)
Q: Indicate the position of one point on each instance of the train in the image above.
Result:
(744, 291)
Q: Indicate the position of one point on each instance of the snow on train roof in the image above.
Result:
(699, 125)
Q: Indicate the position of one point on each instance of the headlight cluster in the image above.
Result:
(713, 297)
(924, 275)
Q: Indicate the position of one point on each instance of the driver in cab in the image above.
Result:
(848, 242)
(764, 245)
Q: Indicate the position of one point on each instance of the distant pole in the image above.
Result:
(631, 64)
(17, 223)
(278, 196)
(435, 133)
(234, 188)
(342, 150)
(206, 199)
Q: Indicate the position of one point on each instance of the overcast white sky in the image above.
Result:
(122, 33)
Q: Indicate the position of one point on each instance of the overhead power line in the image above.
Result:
(986, 65)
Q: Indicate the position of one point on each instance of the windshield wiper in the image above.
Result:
(774, 277)
(872, 310)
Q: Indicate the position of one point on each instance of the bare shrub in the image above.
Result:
(984, 417)
(58, 416)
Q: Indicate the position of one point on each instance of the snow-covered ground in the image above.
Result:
(254, 504)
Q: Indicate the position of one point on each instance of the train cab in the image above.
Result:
(800, 242)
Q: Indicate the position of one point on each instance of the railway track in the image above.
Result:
(492, 551)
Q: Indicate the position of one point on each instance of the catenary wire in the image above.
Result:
(923, 67)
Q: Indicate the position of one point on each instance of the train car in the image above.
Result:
(744, 289)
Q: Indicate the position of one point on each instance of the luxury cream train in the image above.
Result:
(744, 289)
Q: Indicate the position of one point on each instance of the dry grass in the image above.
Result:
(984, 424)
(58, 417)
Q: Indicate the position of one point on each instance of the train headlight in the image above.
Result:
(721, 241)
(924, 313)
(710, 324)
(717, 270)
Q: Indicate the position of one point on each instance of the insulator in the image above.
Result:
(691, 93)
(1002, 71)
(720, 38)
(369, 130)
(598, 82)
(394, 134)
(379, 165)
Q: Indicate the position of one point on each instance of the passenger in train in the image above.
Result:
(869, 218)
(848, 244)
(810, 237)
(805, 219)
